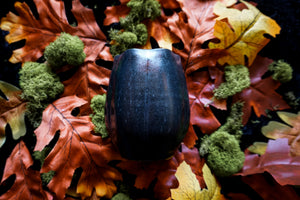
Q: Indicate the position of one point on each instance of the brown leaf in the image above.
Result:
(12, 112)
(195, 26)
(52, 21)
(277, 161)
(191, 137)
(86, 83)
(76, 147)
(164, 171)
(28, 183)
(266, 187)
(275, 130)
(113, 13)
(160, 33)
(200, 88)
(261, 95)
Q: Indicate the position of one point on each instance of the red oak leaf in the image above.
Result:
(200, 88)
(38, 33)
(28, 183)
(277, 161)
(113, 13)
(266, 187)
(261, 94)
(87, 82)
(164, 171)
(194, 25)
(160, 33)
(191, 137)
(76, 147)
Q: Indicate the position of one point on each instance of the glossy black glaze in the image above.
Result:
(147, 105)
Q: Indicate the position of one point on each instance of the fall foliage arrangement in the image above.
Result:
(63, 83)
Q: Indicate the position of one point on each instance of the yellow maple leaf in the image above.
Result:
(243, 33)
(189, 188)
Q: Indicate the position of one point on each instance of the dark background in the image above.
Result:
(286, 46)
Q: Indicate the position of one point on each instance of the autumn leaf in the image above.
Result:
(161, 34)
(86, 83)
(52, 21)
(261, 95)
(194, 26)
(243, 34)
(27, 183)
(275, 130)
(189, 188)
(191, 137)
(114, 13)
(76, 148)
(200, 88)
(265, 186)
(164, 171)
(12, 112)
(277, 161)
(258, 148)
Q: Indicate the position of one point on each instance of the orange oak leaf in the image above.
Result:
(38, 33)
(200, 88)
(87, 82)
(12, 112)
(113, 13)
(290, 130)
(161, 34)
(261, 94)
(191, 137)
(27, 183)
(194, 25)
(163, 171)
(243, 34)
(76, 148)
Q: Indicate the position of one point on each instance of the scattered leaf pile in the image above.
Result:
(208, 36)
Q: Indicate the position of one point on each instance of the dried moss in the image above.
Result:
(135, 32)
(236, 79)
(98, 117)
(40, 87)
(66, 49)
(281, 70)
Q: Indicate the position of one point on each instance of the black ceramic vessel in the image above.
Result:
(147, 105)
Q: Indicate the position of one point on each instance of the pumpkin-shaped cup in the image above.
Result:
(147, 106)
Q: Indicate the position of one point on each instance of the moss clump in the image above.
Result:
(41, 155)
(234, 121)
(236, 79)
(40, 87)
(221, 148)
(98, 117)
(281, 70)
(66, 49)
(47, 177)
(225, 157)
(134, 32)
